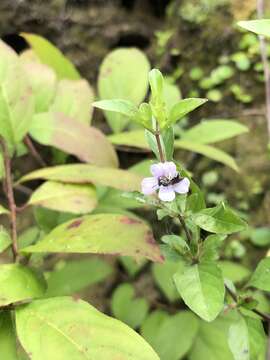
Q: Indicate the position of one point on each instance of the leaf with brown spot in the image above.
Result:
(101, 234)
(73, 137)
(88, 174)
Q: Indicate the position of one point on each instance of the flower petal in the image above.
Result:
(169, 169)
(182, 187)
(166, 193)
(157, 170)
(149, 185)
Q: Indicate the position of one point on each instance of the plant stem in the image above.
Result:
(28, 142)
(160, 150)
(183, 223)
(260, 12)
(10, 198)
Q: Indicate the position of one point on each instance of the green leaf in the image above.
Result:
(209, 151)
(88, 174)
(101, 234)
(233, 271)
(74, 98)
(75, 275)
(131, 266)
(246, 338)
(16, 100)
(48, 54)
(171, 336)
(219, 220)
(43, 83)
(3, 210)
(212, 340)
(76, 199)
(163, 276)
(211, 246)
(261, 277)
(260, 236)
(5, 240)
(124, 107)
(182, 108)
(134, 138)
(202, 289)
(156, 82)
(168, 140)
(208, 132)
(18, 283)
(128, 309)
(123, 75)
(73, 137)
(73, 329)
(7, 337)
(171, 94)
(260, 27)
(152, 143)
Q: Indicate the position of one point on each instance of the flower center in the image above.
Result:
(167, 181)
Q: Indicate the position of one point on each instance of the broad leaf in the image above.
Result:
(202, 289)
(88, 174)
(5, 240)
(101, 234)
(260, 27)
(3, 210)
(247, 339)
(219, 220)
(123, 300)
(124, 107)
(208, 132)
(73, 329)
(209, 151)
(16, 100)
(261, 277)
(163, 276)
(182, 108)
(7, 337)
(233, 271)
(74, 98)
(171, 336)
(260, 236)
(43, 83)
(73, 137)
(131, 266)
(18, 283)
(118, 80)
(211, 246)
(73, 198)
(75, 275)
(212, 340)
(134, 138)
(48, 54)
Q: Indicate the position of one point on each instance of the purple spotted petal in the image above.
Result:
(149, 185)
(157, 170)
(169, 169)
(182, 187)
(166, 193)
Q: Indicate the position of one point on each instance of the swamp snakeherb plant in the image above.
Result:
(33, 311)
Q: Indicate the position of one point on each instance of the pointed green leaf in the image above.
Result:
(73, 198)
(75, 275)
(18, 283)
(88, 174)
(118, 80)
(260, 27)
(124, 107)
(73, 137)
(182, 108)
(202, 289)
(73, 329)
(211, 246)
(48, 54)
(233, 271)
(7, 337)
(261, 277)
(101, 234)
(171, 336)
(156, 82)
(208, 132)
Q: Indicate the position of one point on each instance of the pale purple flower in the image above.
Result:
(167, 180)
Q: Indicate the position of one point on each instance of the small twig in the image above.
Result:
(263, 47)
(28, 142)
(160, 150)
(10, 198)
(183, 223)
